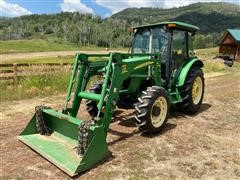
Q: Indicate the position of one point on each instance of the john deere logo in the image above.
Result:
(124, 69)
(143, 65)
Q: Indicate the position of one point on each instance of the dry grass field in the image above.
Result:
(203, 146)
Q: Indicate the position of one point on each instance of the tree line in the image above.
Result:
(80, 29)
(87, 29)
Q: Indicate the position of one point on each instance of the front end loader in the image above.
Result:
(160, 71)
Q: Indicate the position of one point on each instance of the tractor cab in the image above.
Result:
(163, 37)
(172, 40)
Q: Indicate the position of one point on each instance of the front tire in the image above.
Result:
(152, 110)
(192, 91)
(92, 105)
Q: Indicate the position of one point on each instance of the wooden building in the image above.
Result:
(229, 46)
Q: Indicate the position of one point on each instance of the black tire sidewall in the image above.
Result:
(151, 127)
(196, 107)
(96, 88)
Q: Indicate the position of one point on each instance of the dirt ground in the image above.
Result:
(204, 146)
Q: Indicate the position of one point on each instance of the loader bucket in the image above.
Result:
(60, 146)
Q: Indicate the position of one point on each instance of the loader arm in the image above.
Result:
(61, 146)
(118, 67)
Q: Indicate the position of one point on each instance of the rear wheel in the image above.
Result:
(152, 110)
(192, 91)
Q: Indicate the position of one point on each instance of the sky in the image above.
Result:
(103, 8)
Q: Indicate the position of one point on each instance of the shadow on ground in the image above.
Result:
(176, 113)
(127, 120)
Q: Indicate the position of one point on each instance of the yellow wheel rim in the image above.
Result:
(197, 90)
(159, 112)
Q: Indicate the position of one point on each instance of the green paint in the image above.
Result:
(184, 71)
(59, 147)
(90, 96)
(73, 77)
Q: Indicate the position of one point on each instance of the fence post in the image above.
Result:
(15, 78)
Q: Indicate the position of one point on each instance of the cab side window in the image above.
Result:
(190, 46)
(179, 47)
(160, 42)
(141, 42)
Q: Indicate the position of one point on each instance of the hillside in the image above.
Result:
(90, 30)
(66, 27)
(210, 17)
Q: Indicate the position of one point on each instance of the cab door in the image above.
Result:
(160, 44)
(179, 48)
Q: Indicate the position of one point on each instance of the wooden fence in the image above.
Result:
(15, 71)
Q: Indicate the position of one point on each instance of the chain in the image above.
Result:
(83, 136)
(40, 123)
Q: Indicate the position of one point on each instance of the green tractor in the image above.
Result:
(160, 71)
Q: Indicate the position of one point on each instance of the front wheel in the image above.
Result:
(152, 110)
(92, 105)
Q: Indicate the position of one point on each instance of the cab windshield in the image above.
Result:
(153, 40)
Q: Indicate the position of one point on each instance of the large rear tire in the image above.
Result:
(192, 91)
(152, 110)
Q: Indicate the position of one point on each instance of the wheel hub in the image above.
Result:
(156, 111)
(159, 112)
(197, 90)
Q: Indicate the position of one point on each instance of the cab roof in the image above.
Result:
(172, 24)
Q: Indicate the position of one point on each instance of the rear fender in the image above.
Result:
(185, 69)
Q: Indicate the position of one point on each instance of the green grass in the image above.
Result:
(208, 51)
(215, 65)
(32, 86)
(34, 45)
(40, 45)
(219, 66)
(57, 82)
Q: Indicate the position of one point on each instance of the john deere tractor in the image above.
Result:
(160, 70)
